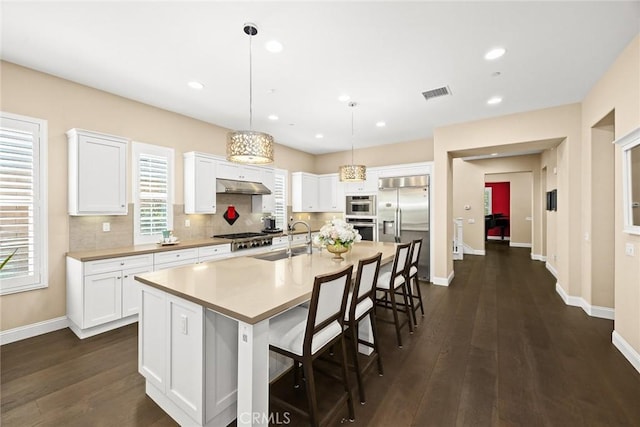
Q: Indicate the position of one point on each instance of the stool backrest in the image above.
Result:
(416, 245)
(400, 263)
(366, 279)
(328, 302)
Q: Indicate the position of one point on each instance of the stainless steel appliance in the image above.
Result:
(361, 205)
(367, 227)
(269, 225)
(241, 241)
(403, 214)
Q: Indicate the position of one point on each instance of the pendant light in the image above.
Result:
(249, 146)
(352, 172)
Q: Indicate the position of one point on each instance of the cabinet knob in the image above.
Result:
(178, 255)
(122, 263)
(126, 277)
(118, 278)
(122, 206)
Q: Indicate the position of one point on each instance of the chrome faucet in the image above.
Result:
(309, 240)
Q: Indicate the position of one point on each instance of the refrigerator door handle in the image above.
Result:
(398, 224)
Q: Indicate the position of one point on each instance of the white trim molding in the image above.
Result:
(443, 281)
(591, 310)
(33, 330)
(499, 238)
(520, 245)
(625, 348)
(538, 257)
(551, 269)
(470, 251)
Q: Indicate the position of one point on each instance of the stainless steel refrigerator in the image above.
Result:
(403, 214)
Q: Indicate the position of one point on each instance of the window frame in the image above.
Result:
(40, 205)
(137, 149)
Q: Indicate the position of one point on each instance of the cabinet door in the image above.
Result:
(100, 175)
(251, 173)
(185, 356)
(152, 336)
(201, 187)
(131, 290)
(265, 203)
(328, 193)
(309, 193)
(102, 298)
(227, 170)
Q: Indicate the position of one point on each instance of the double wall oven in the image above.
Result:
(361, 213)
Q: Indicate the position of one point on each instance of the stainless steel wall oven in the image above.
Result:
(361, 205)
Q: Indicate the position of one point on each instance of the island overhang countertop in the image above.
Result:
(252, 290)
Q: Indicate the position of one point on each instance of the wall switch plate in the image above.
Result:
(630, 249)
(187, 223)
(586, 236)
(184, 324)
(106, 226)
(471, 220)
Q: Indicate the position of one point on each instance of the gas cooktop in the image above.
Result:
(239, 235)
(246, 240)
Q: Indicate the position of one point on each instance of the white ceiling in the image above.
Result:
(383, 54)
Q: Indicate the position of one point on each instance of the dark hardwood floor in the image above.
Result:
(496, 348)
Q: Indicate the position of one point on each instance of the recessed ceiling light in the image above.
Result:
(273, 46)
(319, 135)
(344, 98)
(195, 85)
(494, 100)
(273, 117)
(381, 124)
(495, 53)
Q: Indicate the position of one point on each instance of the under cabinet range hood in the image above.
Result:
(231, 186)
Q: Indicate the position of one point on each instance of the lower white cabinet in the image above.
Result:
(102, 294)
(214, 252)
(175, 258)
(189, 357)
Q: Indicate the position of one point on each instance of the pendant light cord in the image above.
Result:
(250, 83)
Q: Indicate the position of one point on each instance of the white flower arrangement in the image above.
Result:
(337, 232)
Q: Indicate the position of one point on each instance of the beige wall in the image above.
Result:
(618, 91)
(558, 123)
(468, 189)
(66, 105)
(382, 155)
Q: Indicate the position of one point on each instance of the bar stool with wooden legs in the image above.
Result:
(412, 275)
(393, 283)
(302, 334)
(358, 308)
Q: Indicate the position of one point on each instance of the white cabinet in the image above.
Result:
(189, 358)
(229, 170)
(102, 294)
(330, 193)
(213, 252)
(369, 186)
(265, 203)
(97, 173)
(174, 258)
(304, 192)
(199, 183)
(415, 169)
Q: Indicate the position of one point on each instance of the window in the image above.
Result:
(152, 192)
(23, 203)
(280, 198)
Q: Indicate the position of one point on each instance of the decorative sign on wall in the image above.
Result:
(231, 215)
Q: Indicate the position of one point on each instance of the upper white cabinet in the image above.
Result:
(409, 170)
(370, 186)
(97, 173)
(199, 183)
(330, 193)
(304, 192)
(265, 203)
(228, 170)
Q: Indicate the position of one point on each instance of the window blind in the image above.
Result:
(153, 181)
(22, 223)
(280, 198)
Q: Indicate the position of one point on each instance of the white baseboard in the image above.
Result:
(470, 251)
(506, 238)
(443, 281)
(591, 310)
(33, 330)
(538, 257)
(90, 332)
(627, 351)
(552, 270)
(520, 245)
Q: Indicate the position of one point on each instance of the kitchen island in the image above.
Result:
(204, 331)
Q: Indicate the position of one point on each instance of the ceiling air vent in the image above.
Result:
(435, 93)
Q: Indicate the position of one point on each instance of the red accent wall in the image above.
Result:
(500, 202)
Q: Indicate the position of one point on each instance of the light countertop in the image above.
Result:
(250, 289)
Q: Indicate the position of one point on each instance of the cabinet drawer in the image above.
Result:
(116, 264)
(297, 238)
(177, 255)
(209, 251)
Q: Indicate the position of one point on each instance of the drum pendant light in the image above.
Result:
(249, 146)
(352, 172)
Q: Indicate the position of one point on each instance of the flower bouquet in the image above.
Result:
(337, 236)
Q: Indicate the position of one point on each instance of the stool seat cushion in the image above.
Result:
(362, 307)
(385, 278)
(286, 331)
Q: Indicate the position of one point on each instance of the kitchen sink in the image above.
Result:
(282, 254)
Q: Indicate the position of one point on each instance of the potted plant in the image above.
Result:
(338, 236)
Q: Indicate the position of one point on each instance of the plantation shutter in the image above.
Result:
(280, 198)
(153, 192)
(21, 219)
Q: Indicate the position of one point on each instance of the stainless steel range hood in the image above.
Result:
(231, 186)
